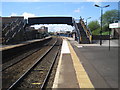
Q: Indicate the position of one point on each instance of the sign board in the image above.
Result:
(114, 25)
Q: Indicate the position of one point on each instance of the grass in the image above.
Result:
(97, 32)
(106, 33)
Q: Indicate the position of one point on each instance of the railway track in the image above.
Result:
(25, 48)
(21, 57)
(21, 81)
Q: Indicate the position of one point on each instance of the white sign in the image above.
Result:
(114, 25)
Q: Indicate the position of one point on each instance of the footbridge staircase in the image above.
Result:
(14, 32)
(86, 35)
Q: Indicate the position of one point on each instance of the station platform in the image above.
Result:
(70, 72)
(5, 47)
(76, 71)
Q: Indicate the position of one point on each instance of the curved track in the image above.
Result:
(17, 83)
(21, 57)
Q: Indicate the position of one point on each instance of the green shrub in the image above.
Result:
(96, 32)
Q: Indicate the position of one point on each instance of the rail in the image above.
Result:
(15, 84)
(90, 34)
(50, 70)
(23, 57)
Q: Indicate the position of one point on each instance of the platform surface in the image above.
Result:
(70, 72)
(87, 66)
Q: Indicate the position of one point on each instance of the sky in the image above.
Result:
(41, 9)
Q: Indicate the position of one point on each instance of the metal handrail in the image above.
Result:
(76, 27)
(5, 27)
(87, 30)
(13, 31)
(13, 22)
(11, 27)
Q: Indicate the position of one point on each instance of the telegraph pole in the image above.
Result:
(118, 10)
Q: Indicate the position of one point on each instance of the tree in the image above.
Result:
(109, 17)
(93, 25)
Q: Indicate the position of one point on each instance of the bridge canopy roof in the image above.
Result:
(50, 20)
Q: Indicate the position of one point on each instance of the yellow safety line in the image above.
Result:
(36, 83)
(82, 77)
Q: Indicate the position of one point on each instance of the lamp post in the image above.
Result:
(87, 19)
(119, 10)
(101, 20)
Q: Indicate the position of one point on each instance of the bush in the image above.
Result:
(106, 33)
(105, 28)
(96, 32)
(94, 25)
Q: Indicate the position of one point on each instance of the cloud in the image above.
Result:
(60, 15)
(61, 27)
(96, 1)
(55, 28)
(25, 14)
(77, 10)
(14, 14)
(82, 7)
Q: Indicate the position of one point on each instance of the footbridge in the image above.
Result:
(59, 20)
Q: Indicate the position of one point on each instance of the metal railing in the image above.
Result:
(19, 29)
(12, 27)
(87, 30)
(14, 30)
(78, 31)
(9, 26)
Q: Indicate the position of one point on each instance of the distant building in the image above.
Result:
(43, 29)
(30, 28)
(64, 33)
